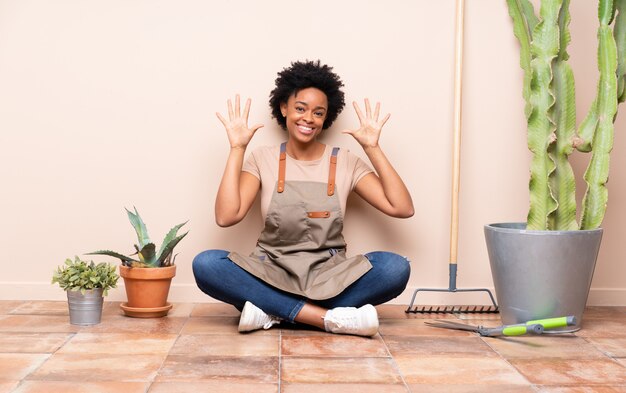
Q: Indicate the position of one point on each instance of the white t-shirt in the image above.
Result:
(263, 164)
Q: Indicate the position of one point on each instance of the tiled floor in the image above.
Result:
(197, 349)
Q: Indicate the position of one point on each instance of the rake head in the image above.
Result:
(488, 309)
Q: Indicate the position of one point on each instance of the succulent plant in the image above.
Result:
(146, 253)
(82, 275)
(551, 110)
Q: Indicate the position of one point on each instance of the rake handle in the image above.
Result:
(456, 153)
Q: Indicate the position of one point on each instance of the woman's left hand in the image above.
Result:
(369, 132)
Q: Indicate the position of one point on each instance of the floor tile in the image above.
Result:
(82, 387)
(42, 308)
(123, 324)
(181, 310)
(98, 367)
(120, 343)
(595, 312)
(614, 347)
(333, 346)
(464, 388)
(416, 327)
(470, 370)
(248, 369)
(221, 326)
(32, 342)
(214, 310)
(300, 330)
(15, 366)
(6, 306)
(581, 389)
(426, 345)
(571, 371)
(563, 346)
(37, 324)
(226, 345)
(212, 386)
(339, 370)
(603, 328)
(342, 388)
(8, 386)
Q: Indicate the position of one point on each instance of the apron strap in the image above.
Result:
(332, 171)
(282, 161)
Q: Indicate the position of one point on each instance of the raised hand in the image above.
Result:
(239, 134)
(369, 131)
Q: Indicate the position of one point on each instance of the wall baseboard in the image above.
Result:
(189, 293)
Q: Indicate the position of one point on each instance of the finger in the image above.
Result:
(237, 106)
(346, 131)
(246, 110)
(376, 111)
(382, 123)
(358, 111)
(221, 119)
(368, 109)
(256, 127)
(231, 115)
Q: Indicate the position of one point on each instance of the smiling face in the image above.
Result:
(305, 113)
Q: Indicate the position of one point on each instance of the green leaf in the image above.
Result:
(169, 248)
(169, 237)
(147, 255)
(124, 258)
(140, 227)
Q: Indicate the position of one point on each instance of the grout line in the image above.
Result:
(394, 364)
(280, 359)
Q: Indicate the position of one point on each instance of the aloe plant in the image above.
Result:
(549, 91)
(146, 253)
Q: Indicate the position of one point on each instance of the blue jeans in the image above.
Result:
(222, 279)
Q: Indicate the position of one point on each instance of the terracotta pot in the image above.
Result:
(147, 290)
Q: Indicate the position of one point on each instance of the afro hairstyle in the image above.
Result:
(302, 75)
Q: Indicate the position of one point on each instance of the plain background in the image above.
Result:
(111, 104)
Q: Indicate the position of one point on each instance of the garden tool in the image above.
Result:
(454, 227)
(531, 327)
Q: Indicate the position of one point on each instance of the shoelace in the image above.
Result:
(348, 322)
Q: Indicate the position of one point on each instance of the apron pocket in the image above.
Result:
(293, 224)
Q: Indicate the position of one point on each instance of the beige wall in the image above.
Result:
(106, 104)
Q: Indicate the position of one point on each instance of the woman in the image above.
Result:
(299, 271)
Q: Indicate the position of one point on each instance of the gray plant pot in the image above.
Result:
(541, 274)
(85, 309)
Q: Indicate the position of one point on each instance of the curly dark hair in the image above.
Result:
(302, 75)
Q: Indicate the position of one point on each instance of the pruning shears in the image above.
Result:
(531, 327)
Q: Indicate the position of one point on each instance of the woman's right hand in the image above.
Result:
(239, 134)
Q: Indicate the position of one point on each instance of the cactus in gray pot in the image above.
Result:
(548, 89)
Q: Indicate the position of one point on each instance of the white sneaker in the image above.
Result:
(361, 321)
(253, 318)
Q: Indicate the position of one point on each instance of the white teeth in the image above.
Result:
(305, 129)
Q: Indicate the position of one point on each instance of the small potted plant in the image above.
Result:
(86, 284)
(147, 273)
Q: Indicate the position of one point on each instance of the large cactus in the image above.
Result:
(551, 110)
